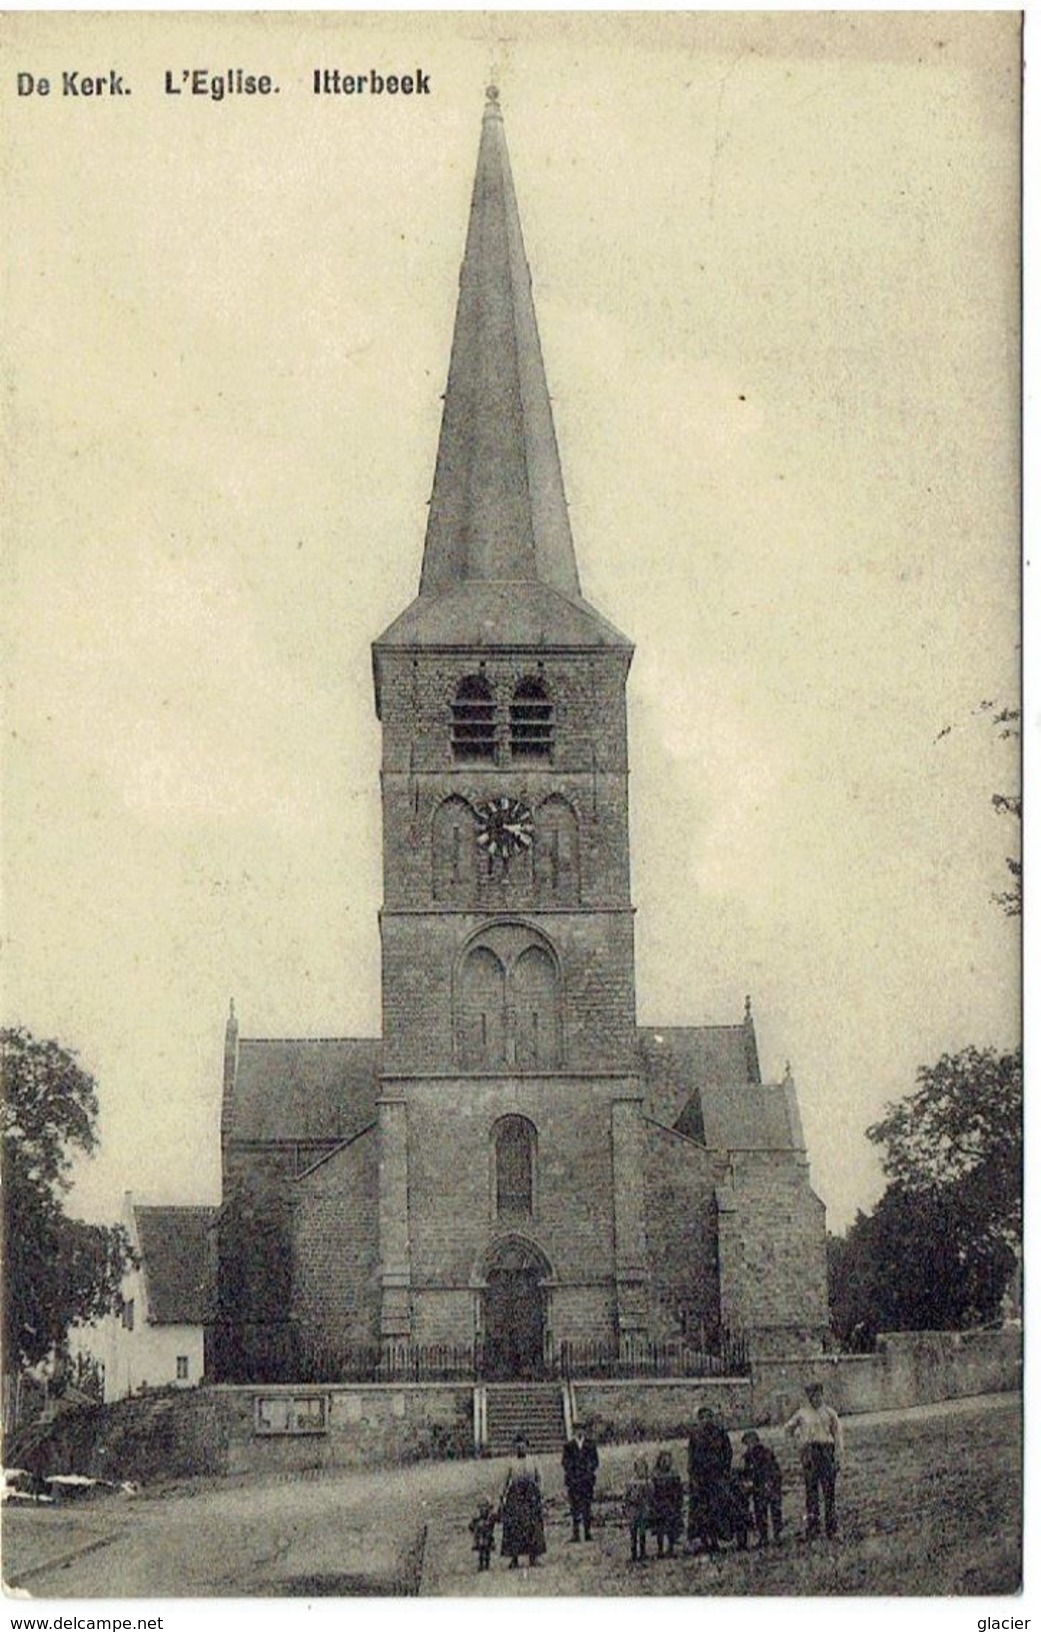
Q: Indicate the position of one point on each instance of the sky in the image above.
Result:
(775, 264)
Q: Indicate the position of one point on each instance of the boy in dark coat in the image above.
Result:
(761, 1477)
(580, 1461)
(482, 1528)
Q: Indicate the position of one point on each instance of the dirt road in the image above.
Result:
(394, 1530)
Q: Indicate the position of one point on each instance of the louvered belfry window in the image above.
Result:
(531, 721)
(473, 719)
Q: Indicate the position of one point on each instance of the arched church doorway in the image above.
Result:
(514, 1311)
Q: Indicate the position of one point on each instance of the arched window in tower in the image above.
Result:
(531, 721)
(514, 1168)
(453, 852)
(556, 851)
(482, 1011)
(473, 719)
(535, 1010)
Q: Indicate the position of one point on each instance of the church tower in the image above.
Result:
(509, 1114)
(514, 1165)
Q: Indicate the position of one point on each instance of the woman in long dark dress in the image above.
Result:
(523, 1529)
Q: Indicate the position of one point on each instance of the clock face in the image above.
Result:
(504, 826)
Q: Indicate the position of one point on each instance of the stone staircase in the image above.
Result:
(535, 1410)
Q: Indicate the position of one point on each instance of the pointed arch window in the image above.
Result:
(473, 719)
(531, 721)
(535, 1010)
(453, 853)
(508, 1012)
(514, 1168)
(483, 1010)
(556, 851)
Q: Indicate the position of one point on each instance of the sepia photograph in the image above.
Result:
(512, 1013)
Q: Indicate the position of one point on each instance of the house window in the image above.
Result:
(473, 719)
(128, 1314)
(514, 1167)
(531, 721)
(182, 1368)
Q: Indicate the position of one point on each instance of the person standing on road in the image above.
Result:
(523, 1528)
(580, 1461)
(818, 1434)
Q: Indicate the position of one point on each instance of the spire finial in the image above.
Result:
(748, 1007)
(491, 102)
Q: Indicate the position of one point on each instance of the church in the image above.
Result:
(516, 1169)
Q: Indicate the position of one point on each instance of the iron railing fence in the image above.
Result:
(282, 1355)
(720, 1354)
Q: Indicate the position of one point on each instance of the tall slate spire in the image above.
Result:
(498, 509)
(498, 562)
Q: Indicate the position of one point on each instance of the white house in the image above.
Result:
(168, 1301)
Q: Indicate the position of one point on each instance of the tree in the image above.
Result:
(915, 1263)
(940, 1247)
(961, 1133)
(57, 1270)
(1010, 901)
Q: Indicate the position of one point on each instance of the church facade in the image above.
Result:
(516, 1164)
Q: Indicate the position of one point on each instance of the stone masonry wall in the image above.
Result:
(773, 1279)
(587, 691)
(336, 1249)
(682, 1246)
(452, 1218)
(666, 1409)
(908, 1368)
(366, 1426)
(420, 957)
(599, 804)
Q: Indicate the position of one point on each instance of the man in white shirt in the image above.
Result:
(818, 1435)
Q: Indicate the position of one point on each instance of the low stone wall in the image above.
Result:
(240, 1428)
(658, 1408)
(362, 1425)
(908, 1368)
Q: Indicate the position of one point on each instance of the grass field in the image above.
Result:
(929, 1505)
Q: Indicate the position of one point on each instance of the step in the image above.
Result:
(533, 1409)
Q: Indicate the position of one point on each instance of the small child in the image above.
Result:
(482, 1527)
(636, 1506)
(761, 1476)
(666, 1504)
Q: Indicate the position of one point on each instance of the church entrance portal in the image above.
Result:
(515, 1313)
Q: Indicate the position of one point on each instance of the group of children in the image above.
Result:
(752, 1493)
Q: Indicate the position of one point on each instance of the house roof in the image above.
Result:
(178, 1255)
(302, 1089)
(498, 561)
